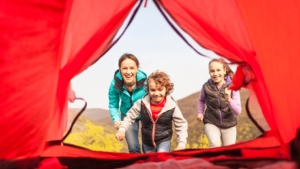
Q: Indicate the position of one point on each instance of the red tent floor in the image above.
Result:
(266, 149)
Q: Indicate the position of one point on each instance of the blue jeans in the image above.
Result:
(162, 147)
(132, 136)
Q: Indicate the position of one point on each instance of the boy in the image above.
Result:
(157, 109)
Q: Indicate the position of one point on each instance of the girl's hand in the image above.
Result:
(117, 124)
(228, 95)
(179, 148)
(120, 135)
(200, 118)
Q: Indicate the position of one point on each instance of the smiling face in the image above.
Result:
(217, 72)
(157, 92)
(128, 70)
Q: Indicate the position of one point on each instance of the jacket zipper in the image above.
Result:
(130, 98)
(219, 105)
(130, 102)
(154, 124)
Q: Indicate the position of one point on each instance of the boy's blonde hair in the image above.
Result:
(162, 79)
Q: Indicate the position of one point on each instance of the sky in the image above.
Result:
(157, 47)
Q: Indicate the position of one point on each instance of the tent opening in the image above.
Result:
(151, 39)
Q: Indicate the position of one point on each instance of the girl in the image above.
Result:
(127, 85)
(157, 109)
(223, 105)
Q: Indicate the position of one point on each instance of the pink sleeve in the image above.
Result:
(235, 103)
(201, 103)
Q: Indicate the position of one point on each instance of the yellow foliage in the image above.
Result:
(93, 138)
(203, 141)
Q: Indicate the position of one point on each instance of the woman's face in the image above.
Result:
(128, 72)
(217, 72)
(157, 92)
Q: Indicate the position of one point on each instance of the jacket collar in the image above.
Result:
(140, 76)
(227, 79)
(170, 103)
(227, 82)
(213, 86)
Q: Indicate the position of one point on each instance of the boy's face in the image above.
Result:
(157, 92)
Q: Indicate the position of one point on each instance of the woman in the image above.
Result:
(223, 105)
(127, 85)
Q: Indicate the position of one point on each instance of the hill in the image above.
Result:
(86, 116)
(93, 113)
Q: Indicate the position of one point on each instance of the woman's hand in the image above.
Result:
(228, 95)
(120, 135)
(199, 118)
(179, 148)
(117, 124)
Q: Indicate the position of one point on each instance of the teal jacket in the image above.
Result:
(117, 91)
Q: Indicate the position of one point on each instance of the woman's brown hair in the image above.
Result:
(229, 72)
(128, 56)
(162, 79)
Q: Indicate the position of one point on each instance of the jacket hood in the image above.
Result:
(141, 77)
(170, 103)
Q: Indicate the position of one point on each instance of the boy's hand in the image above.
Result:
(200, 118)
(228, 95)
(120, 135)
(179, 148)
(117, 124)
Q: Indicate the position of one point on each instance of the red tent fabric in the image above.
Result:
(30, 39)
(257, 34)
(44, 44)
(274, 32)
(223, 32)
(84, 41)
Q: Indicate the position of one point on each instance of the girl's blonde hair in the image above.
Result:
(229, 72)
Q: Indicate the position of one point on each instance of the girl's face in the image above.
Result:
(217, 72)
(128, 72)
(157, 92)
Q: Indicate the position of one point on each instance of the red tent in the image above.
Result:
(44, 44)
